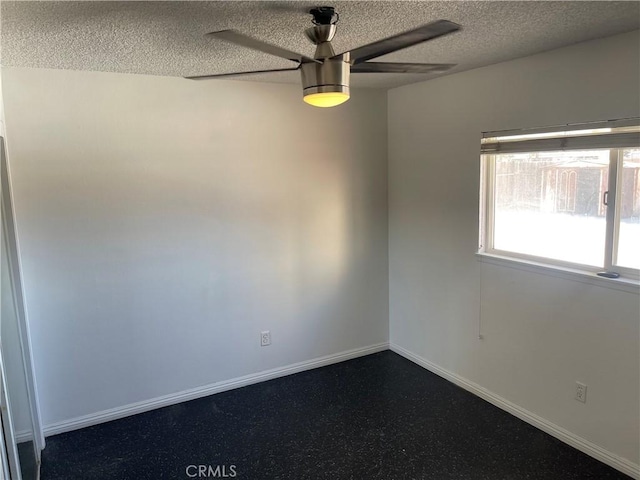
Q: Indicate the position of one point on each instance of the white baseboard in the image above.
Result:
(23, 436)
(198, 392)
(591, 449)
(552, 429)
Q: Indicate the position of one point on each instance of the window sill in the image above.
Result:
(582, 276)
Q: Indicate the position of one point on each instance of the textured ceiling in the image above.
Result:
(167, 38)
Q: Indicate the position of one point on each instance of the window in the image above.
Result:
(567, 196)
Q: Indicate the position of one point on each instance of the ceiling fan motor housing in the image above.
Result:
(331, 76)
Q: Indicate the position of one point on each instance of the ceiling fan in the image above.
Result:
(325, 77)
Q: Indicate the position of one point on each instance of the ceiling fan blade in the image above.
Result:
(249, 42)
(386, 67)
(403, 40)
(237, 74)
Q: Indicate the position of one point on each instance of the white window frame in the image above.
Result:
(487, 204)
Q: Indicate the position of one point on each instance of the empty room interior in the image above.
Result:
(295, 240)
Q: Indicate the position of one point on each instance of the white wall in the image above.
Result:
(164, 223)
(541, 333)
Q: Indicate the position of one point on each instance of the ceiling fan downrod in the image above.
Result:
(323, 31)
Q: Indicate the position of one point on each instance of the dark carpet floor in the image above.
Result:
(28, 464)
(375, 417)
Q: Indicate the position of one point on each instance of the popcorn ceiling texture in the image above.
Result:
(167, 38)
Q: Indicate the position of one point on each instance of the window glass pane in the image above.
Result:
(629, 231)
(549, 204)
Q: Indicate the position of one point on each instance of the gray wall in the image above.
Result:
(164, 223)
(541, 333)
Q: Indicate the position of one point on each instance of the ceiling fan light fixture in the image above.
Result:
(326, 99)
(326, 84)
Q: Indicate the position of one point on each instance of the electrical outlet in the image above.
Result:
(265, 338)
(581, 392)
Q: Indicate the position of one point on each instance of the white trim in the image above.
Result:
(624, 284)
(4, 461)
(8, 431)
(23, 436)
(15, 269)
(198, 392)
(612, 212)
(591, 449)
